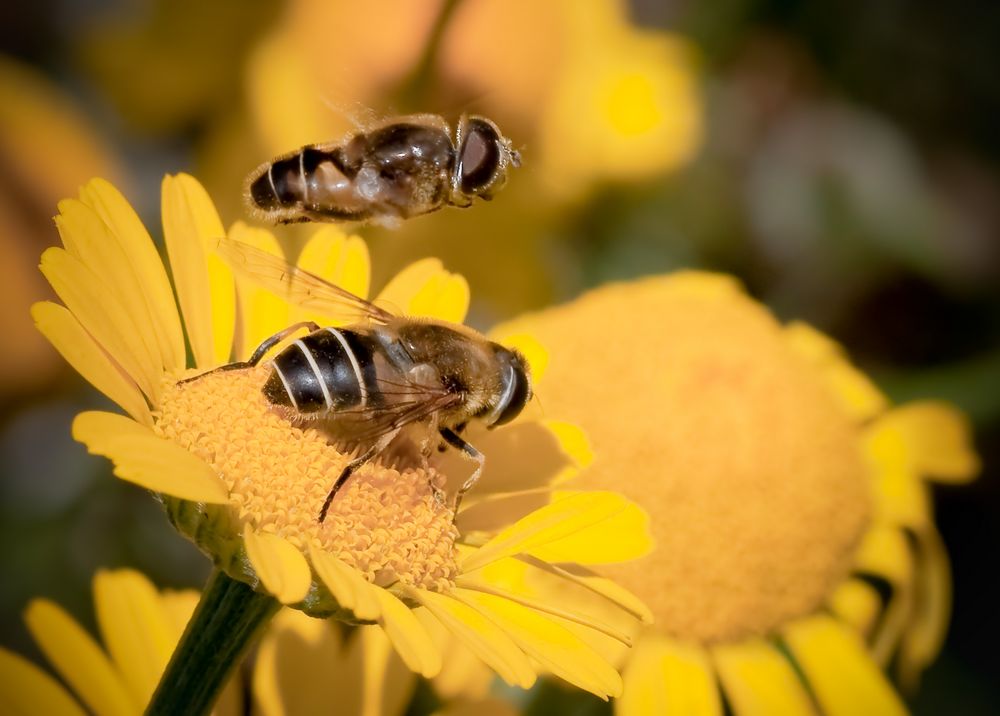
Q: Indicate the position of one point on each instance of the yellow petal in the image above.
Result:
(26, 690)
(74, 344)
(262, 314)
(137, 631)
(757, 679)
(279, 564)
(587, 527)
(925, 633)
(86, 296)
(462, 675)
(88, 238)
(858, 604)
(553, 646)
(603, 587)
(489, 706)
(410, 640)
(79, 660)
(669, 678)
(936, 439)
(901, 496)
(340, 260)
(301, 667)
(885, 552)
(191, 227)
(425, 288)
(142, 457)
(388, 683)
(348, 587)
(857, 394)
(838, 669)
(480, 636)
(127, 229)
(517, 580)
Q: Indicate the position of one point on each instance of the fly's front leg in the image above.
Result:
(452, 438)
(261, 351)
(352, 466)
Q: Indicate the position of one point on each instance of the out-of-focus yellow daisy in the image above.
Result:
(304, 664)
(139, 627)
(796, 552)
(605, 100)
(588, 94)
(246, 485)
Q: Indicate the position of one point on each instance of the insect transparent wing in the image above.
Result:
(297, 286)
(403, 403)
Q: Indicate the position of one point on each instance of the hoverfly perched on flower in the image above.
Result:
(393, 170)
(366, 382)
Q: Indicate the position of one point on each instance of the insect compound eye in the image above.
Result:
(481, 167)
(516, 389)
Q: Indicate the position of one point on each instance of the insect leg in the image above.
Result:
(470, 452)
(261, 351)
(277, 338)
(353, 465)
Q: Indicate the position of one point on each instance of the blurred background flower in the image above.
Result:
(841, 161)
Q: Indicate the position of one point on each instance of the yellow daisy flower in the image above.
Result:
(246, 485)
(796, 554)
(139, 627)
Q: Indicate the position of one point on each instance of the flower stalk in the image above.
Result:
(227, 621)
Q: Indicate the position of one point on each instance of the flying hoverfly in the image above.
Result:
(366, 382)
(392, 170)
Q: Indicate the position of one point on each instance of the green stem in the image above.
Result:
(225, 624)
(415, 90)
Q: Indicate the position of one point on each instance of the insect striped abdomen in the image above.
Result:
(328, 370)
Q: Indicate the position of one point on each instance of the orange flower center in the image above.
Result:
(392, 525)
(700, 412)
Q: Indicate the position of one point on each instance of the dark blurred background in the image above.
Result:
(841, 158)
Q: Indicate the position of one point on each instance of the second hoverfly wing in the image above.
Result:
(297, 286)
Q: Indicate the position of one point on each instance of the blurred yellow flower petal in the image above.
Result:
(632, 100)
(204, 284)
(388, 683)
(74, 344)
(932, 607)
(26, 690)
(933, 437)
(666, 677)
(857, 603)
(844, 680)
(858, 395)
(140, 456)
(79, 660)
(279, 564)
(126, 228)
(758, 679)
(137, 632)
(302, 666)
(480, 636)
(407, 635)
